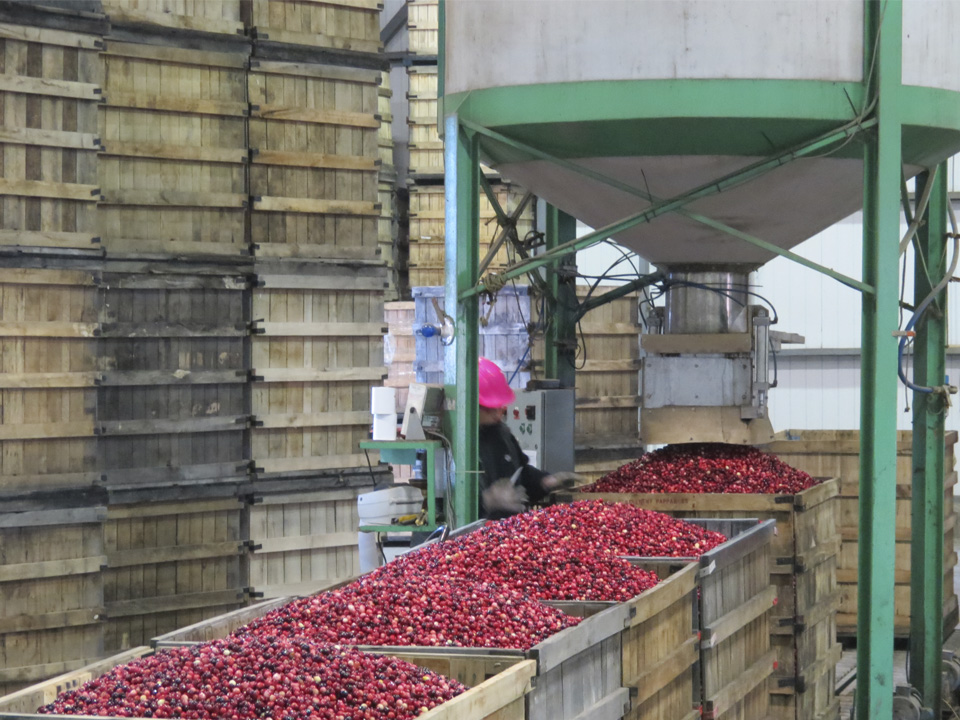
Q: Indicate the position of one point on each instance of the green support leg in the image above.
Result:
(878, 385)
(561, 341)
(460, 358)
(926, 537)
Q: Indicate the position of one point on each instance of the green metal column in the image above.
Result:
(878, 385)
(561, 339)
(461, 267)
(926, 537)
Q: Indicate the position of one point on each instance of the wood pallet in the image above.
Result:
(802, 568)
(501, 697)
(169, 565)
(837, 453)
(48, 377)
(317, 351)
(52, 82)
(173, 169)
(302, 542)
(352, 25)
(313, 143)
(423, 21)
(51, 593)
(171, 397)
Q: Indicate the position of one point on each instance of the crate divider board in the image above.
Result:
(499, 697)
(343, 25)
(52, 84)
(173, 167)
(51, 593)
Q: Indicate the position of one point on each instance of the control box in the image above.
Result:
(543, 422)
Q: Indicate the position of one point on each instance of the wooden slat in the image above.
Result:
(50, 37)
(171, 603)
(174, 426)
(338, 252)
(132, 378)
(124, 512)
(653, 679)
(725, 699)
(54, 190)
(162, 330)
(607, 402)
(77, 240)
(315, 70)
(314, 160)
(121, 14)
(173, 198)
(491, 695)
(316, 40)
(49, 138)
(115, 246)
(297, 420)
(154, 556)
(334, 329)
(739, 617)
(50, 621)
(51, 568)
(31, 673)
(66, 516)
(371, 5)
(311, 115)
(304, 464)
(47, 276)
(167, 103)
(44, 86)
(187, 153)
(321, 207)
(320, 282)
(40, 431)
(26, 381)
(177, 55)
(304, 542)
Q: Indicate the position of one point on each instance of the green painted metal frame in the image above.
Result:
(560, 349)
(897, 113)
(403, 452)
(929, 410)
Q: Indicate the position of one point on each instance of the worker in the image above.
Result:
(509, 484)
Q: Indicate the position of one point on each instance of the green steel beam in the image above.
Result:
(561, 338)
(461, 156)
(618, 292)
(929, 410)
(676, 204)
(878, 390)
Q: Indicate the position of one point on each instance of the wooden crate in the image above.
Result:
(352, 25)
(48, 376)
(173, 171)
(646, 643)
(387, 232)
(428, 232)
(49, 141)
(168, 565)
(501, 697)
(803, 569)
(51, 593)
(735, 600)
(399, 349)
(209, 16)
(423, 21)
(171, 402)
(313, 143)
(837, 453)
(302, 542)
(317, 351)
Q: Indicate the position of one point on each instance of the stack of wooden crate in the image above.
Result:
(191, 308)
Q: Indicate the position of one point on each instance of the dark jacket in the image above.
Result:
(500, 457)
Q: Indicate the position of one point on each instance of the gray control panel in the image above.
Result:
(543, 421)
